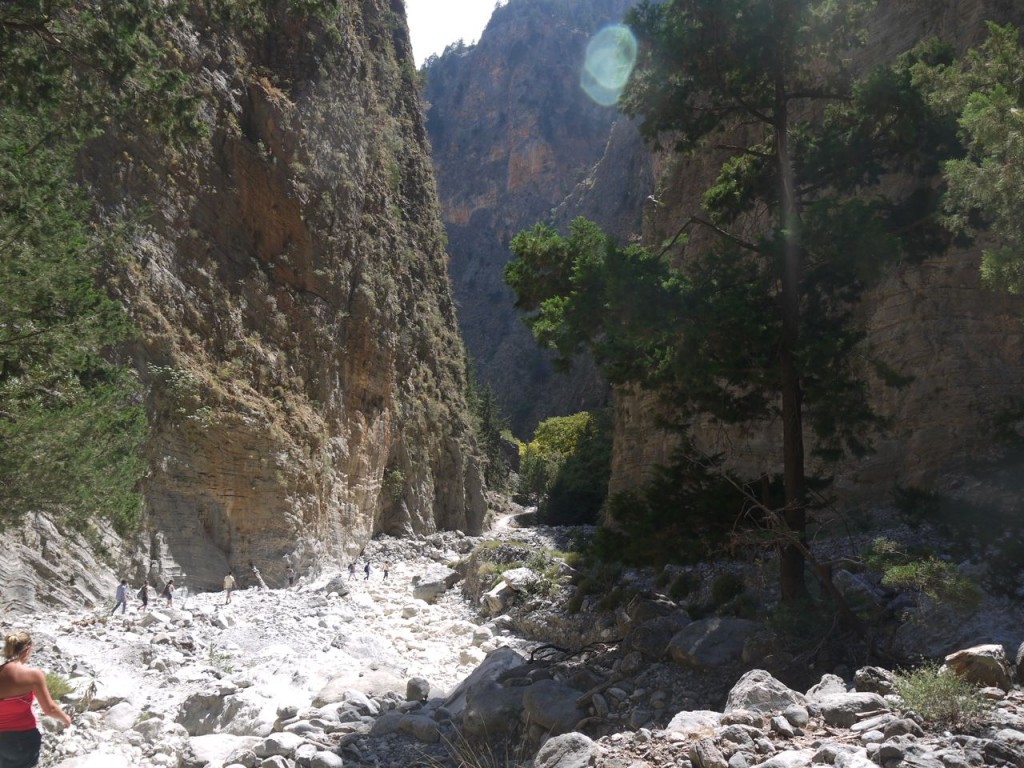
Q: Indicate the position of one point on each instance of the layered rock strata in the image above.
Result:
(305, 371)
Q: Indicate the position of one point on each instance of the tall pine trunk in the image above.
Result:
(791, 557)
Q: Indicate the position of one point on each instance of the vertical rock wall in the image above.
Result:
(299, 339)
(516, 142)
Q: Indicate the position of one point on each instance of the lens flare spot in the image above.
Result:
(611, 54)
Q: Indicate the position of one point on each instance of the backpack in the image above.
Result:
(141, 594)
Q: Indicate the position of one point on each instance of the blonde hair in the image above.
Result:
(15, 644)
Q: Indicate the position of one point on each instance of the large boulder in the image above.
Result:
(552, 706)
(983, 665)
(757, 690)
(698, 722)
(429, 586)
(651, 638)
(874, 680)
(845, 709)
(492, 710)
(711, 642)
(570, 750)
(494, 665)
(208, 711)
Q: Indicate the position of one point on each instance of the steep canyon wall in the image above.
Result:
(516, 142)
(299, 340)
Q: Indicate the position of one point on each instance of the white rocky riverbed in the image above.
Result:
(349, 671)
(267, 651)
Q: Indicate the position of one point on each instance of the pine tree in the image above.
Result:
(759, 324)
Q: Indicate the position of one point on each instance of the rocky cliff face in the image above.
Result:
(299, 339)
(963, 344)
(515, 138)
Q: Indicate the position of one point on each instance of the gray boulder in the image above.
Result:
(208, 711)
(711, 642)
(704, 753)
(552, 706)
(417, 689)
(652, 637)
(874, 680)
(757, 690)
(693, 723)
(570, 750)
(983, 665)
(280, 744)
(420, 727)
(794, 758)
(325, 759)
(494, 665)
(829, 685)
(492, 710)
(845, 709)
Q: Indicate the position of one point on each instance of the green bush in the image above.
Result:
(565, 468)
(941, 696)
(58, 686)
(940, 581)
(687, 511)
(992, 532)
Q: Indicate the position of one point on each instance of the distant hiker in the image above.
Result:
(290, 573)
(366, 570)
(229, 586)
(386, 567)
(20, 685)
(121, 598)
(256, 575)
(351, 569)
(143, 595)
(168, 593)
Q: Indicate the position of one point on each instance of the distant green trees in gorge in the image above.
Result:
(757, 323)
(984, 92)
(71, 414)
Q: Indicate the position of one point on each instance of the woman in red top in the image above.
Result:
(20, 684)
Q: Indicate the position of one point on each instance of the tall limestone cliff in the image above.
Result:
(299, 343)
(962, 343)
(516, 141)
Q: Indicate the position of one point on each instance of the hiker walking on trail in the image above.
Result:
(168, 593)
(229, 586)
(121, 598)
(351, 569)
(143, 595)
(366, 570)
(20, 685)
(386, 567)
(290, 573)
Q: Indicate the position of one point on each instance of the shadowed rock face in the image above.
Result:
(515, 142)
(299, 338)
(963, 344)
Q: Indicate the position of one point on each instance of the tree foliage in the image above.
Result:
(565, 468)
(758, 325)
(984, 92)
(71, 418)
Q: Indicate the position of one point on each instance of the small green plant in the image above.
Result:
(941, 696)
(220, 659)
(58, 686)
(394, 484)
(938, 580)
